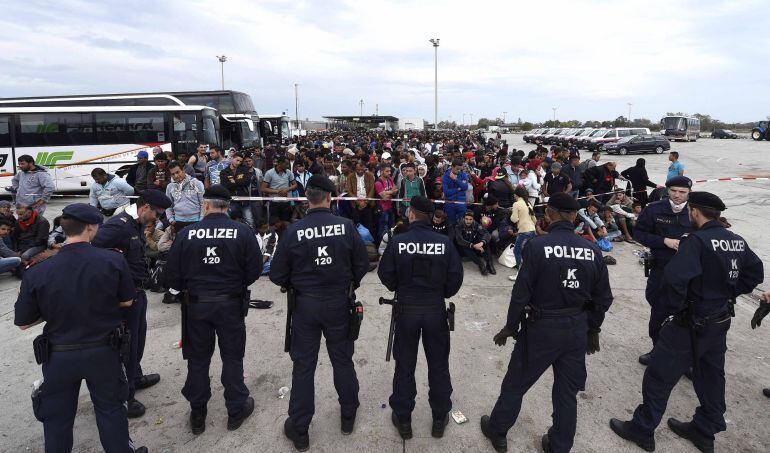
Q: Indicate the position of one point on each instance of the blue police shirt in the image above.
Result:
(422, 266)
(214, 256)
(713, 265)
(561, 270)
(658, 222)
(320, 255)
(124, 233)
(77, 293)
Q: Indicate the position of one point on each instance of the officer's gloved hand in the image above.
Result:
(759, 315)
(593, 342)
(503, 335)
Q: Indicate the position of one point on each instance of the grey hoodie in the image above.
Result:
(32, 186)
(187, 198)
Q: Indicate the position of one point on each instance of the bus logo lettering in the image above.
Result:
(49, 159)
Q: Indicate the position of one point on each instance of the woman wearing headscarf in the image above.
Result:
(640, 181)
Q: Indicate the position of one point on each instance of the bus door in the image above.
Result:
(7, 155)
(185, 136)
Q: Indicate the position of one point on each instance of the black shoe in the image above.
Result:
(404, 429)
(437, 430)
(198, 420)
(491, 268)
(301, 440)
(500, 444)
(347, 425)
(169, 298)
(260, 304)
(483, 269)
(688, 373)
(545, 442)
(626, 431)
(135, 409)
(691, 433)
(372, 266)
(766, 392)
(147, 381)
(644, 359)
(235, 422)
(141, 450)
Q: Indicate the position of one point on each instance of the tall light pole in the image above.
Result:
(222, 60)
(471, 123)
(464, 118)
(629, 112)
(296, 104)
(504, 113)
(361, 105)
(554, 113)
(435, 82)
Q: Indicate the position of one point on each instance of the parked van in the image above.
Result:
(613, 135)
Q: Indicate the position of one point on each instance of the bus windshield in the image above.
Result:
(674, 123)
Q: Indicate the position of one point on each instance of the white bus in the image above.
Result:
(685, 128)
(72, 140)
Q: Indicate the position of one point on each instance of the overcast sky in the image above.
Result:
(588, 58)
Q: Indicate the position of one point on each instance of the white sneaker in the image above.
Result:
(512, 278)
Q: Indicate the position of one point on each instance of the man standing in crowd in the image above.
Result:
(556, 181)
(711, 268)
(472, 242)
(31, 234)
(556, 312)
(159, 177)
(108, 192)
(319, 258)
(186, 195)
(676, 168)
(79, 333)
(215, 165)
(125, 233)
(640, 181)
(198, 161)
(215, 270)
(236, 179)
(601, 178)
(255, 181)
(575, 174)
(137, 173)
(361, 185)
(410, 186)
(278, 182)
(32, 185)
(421, 281)
(660, 227)
(454, 184)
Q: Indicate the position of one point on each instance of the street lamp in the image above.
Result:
(296, 104)
(464, 118)
(361, 104)
(554, 113)
(629, 112)
(435, 82)
(222, 60)
(471, 123)
(504, 118)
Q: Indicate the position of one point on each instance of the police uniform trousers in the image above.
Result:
(209, 321)
(671, 357)
(559, 342)
(655, 295)
(430, 322)
(313, 316)
(57, 403)
(135, 318)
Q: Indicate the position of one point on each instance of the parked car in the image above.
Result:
(580, 134)
(723, 133)
(646, 143)
(582, 142)
(540, 135)
(529, 136)
(614, 135)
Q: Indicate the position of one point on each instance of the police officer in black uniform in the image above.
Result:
(319, 257)
(214, 261)
(125, 233)
(78, 294)
(660, 227)
(423, 268)
(557, 308)
(712, 267)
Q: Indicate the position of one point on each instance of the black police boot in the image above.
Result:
(347, 424)
(500, 444)
(691, 433)
(169, 298)
(437, 430)
(483, 268)
(198, 420)
(491, 268)
(545, 442)
(141, 450)
(135, 409)
(301, 440)
(146, 381)
(628, 431)
(236, 421)
(766, 392)
(644, 359)
(404, 429)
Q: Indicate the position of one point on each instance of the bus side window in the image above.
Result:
(55, 129)
(5, 132)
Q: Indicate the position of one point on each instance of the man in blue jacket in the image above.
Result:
(454, 183)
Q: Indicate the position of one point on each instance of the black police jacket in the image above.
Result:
(124, 234)
(422, 266)
(215, 256)
(561, 270)
(320, 255)
(658, 222)
(713, 265)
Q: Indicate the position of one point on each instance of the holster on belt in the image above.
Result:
(41, 348)
(356, 314)
(649, 263)
(450, 316)
(120, 340)
(686, 319)
(245, 299)
(291, 304)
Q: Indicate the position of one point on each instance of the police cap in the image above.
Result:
(156, 198)
(217, 192)
(321, 182)
(84, 213)
(679, 181)
(706, 200)
(422, 204)
(560, 201)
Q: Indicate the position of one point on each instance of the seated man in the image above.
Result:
(31, 235)
(9, 260)
(623, 210)
(268, 241)
(592, 226)
(494, 219)
(608, 217)
(472, 241)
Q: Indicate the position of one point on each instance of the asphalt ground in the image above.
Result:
(613, 388)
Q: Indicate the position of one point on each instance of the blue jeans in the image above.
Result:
(242, 209)
(384, 222)
(266, 266)
(521, 239)
(9, 264)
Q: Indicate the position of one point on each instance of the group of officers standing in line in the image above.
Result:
(321, 260)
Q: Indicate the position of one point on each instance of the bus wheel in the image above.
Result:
(659, 150)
